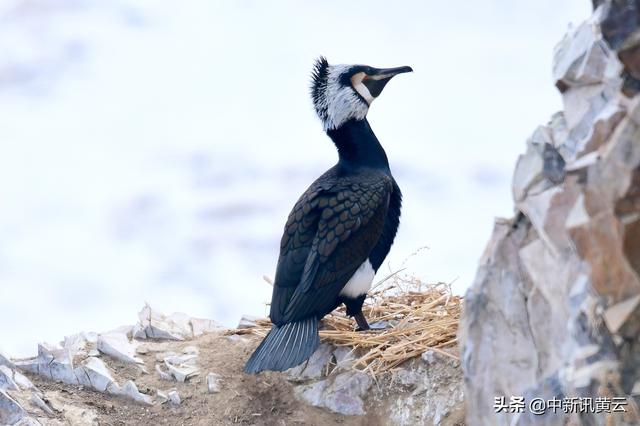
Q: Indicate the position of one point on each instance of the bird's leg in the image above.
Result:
(363, 325)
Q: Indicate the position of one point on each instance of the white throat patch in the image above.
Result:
(341, 103)
(358, 85)
(360, 282)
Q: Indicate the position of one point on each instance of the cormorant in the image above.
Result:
(341, 229)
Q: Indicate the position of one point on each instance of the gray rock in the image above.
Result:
(78, 343)
(342, 393)
(163, 374)
(182, 367)
(39, 402)
(161, 397)
(213, 382)
(10, 410)
(27, 364)
(178, 360)
(5, 360)
(312, 393)
(52, 362)
(428, 356)
(247, 321)
(22, 381)
(177, 326)
(315, 367)
(582, 57)
(6, 379)
(344, 357)
(178, 367)
(28, 421)
(174, 398)
(139, 331)
(201, 326)
(93, 373)
(345, 394)
(117, 345)
(130, 390)
(182, 372)
(155, 325)
(435, 393)
(381, 325)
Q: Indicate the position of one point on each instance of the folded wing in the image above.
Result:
(329, 234)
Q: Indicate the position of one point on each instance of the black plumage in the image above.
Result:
(322, 248)
(347, 217)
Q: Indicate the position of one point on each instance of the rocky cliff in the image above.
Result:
(554, 310)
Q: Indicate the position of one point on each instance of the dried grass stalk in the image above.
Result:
(418, 316)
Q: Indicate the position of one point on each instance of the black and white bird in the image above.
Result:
(341, 229)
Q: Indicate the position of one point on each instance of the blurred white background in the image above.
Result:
(151, 150)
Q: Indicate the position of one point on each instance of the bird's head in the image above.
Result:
(343, 92)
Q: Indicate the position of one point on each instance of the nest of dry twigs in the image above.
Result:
(418, 317)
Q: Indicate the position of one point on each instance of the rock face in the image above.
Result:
(554, 311)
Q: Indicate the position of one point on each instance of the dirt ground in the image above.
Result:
(264, 399)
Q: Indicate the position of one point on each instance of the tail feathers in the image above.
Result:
(285, 346)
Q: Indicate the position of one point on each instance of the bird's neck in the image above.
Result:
(358, 146)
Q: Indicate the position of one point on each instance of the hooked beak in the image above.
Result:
(376, 79)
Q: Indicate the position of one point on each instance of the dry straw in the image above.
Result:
(418, 317)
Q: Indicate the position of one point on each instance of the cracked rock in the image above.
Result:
(93, 373)
(180, 367)
(155, 325)
(177, 326)
(182, 372)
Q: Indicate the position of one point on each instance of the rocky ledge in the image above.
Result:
(175, 369)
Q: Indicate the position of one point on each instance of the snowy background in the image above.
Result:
(151, 150)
